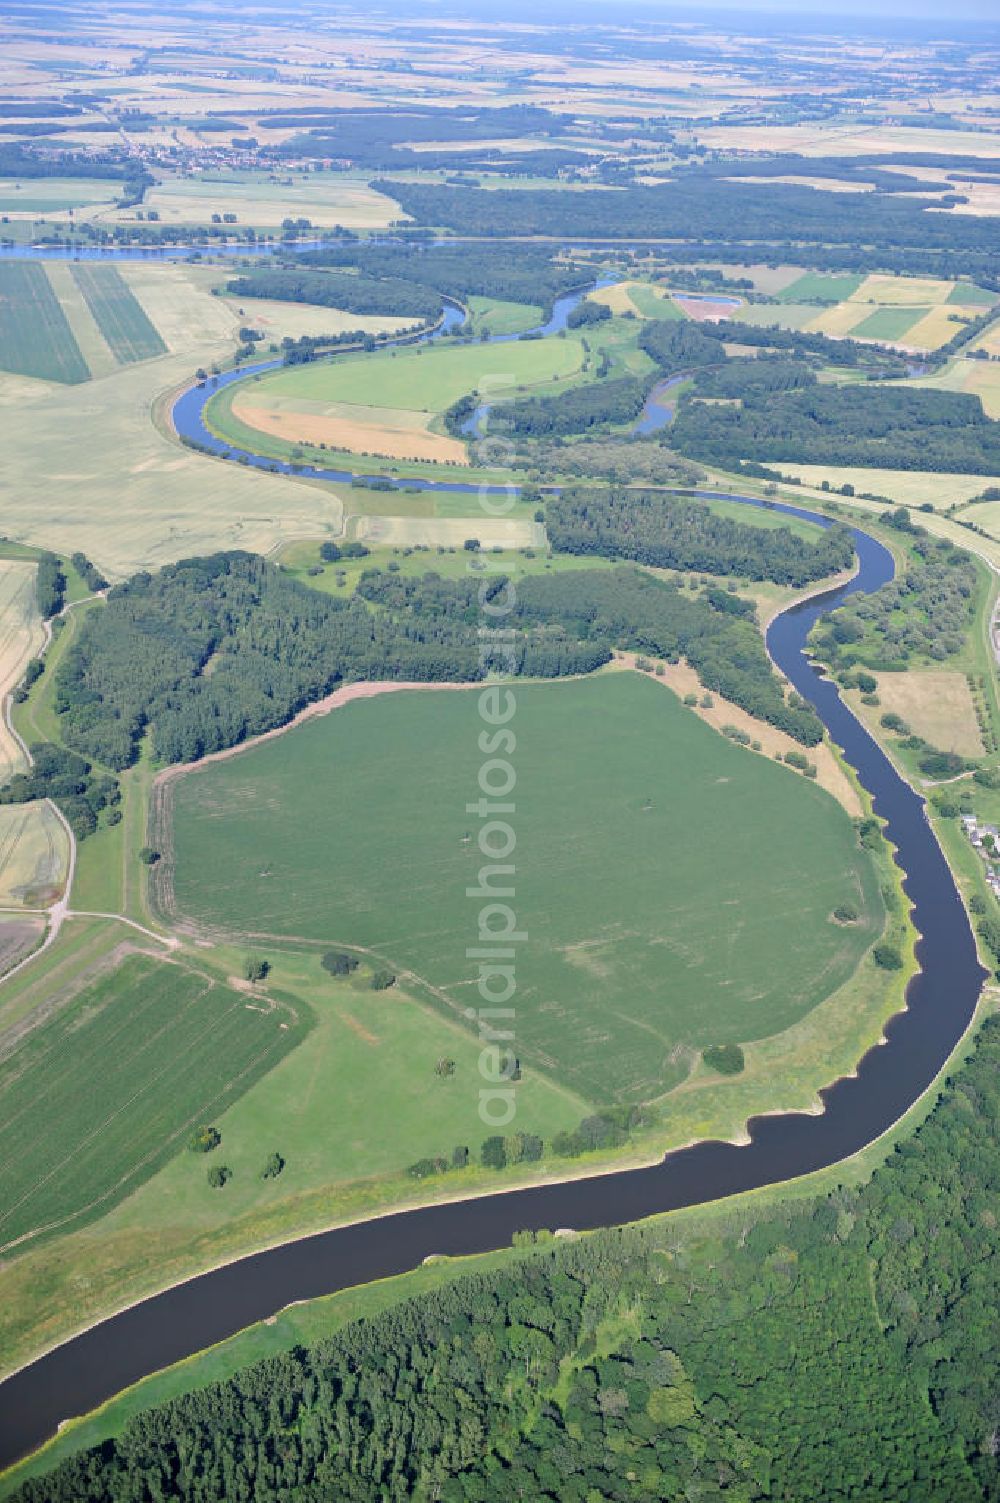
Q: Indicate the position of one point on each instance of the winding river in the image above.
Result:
(941, 1000)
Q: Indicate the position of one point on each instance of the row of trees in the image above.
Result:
(841, 1348)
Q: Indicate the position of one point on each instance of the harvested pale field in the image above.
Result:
(398, 434)
(448, 532)
(914, 487)
(981, 198)
(918, 292)
(618, 297)
(21, 637)
(937, 705)
(989, 339)
(937, 327)
(324, 199)
(824, 141)
(85, 467)
(86, 331)
(838, 320)
(178, 301)
(826, 184)
(769, 279)
(277, 320)
(829, 773)
(985, 514)
(34, 854)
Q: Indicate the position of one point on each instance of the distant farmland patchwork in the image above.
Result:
(919, 312)
(353, 829)
(139, 1057)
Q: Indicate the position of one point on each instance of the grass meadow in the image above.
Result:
(107, 1088)
(647, 938)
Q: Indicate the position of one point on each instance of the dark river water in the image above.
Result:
(941, 998)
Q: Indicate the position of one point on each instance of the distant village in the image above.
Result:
(986, 840)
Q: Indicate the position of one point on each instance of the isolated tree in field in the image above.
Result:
(255, 969)
(845, 913)
(493, 1154)
(219, 1175)
(204, 1139)
(273, 1166)
(888, 957)
(148, 856)
(382, 980)
(444, 1067)
(338, 963)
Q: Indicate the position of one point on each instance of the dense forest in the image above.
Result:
(702, 207)
(923, 614)
(624, 608)
(670, 533)
(383, 296)
(575, 411)
(886, 427)
(213, 650)
(843, 1348)
(517, 274)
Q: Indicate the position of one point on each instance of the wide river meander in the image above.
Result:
(941, 999)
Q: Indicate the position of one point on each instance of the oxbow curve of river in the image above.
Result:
(941, 998)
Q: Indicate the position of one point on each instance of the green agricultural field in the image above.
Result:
(53, 195)
(780, 315)
(675, 889)
(500, 317)
(888, 323)
(816, 287)
(425, 378)
(968, 295)
(107, 1089)
(120, 317)
(35, 337)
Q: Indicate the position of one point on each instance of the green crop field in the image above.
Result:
(817, 287)
(968, 295)
(888, 323)
(53, 195)
(102, 1093)
(424, 378)
(35, 337)
(501, 317)
(120, 317)
(657, 867)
